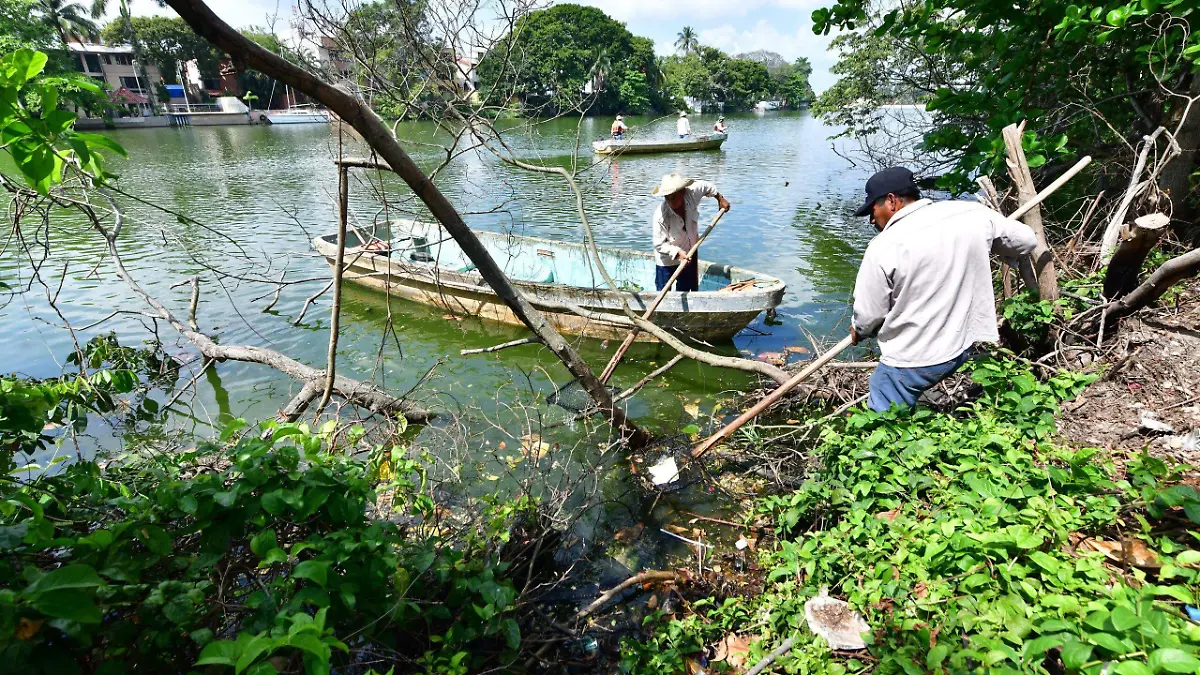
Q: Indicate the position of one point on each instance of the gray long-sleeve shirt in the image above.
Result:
(925, 284)
(673, 235)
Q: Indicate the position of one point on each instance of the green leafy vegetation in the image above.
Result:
(964, 540)
(37, 133)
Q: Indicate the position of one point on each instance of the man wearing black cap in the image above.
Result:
(925, 285)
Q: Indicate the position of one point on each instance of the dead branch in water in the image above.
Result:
(352, 391)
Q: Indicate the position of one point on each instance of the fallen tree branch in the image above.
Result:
(653, 374)
(639, 578)
(504, 345)
(1172, 272)
(770, 658)
(352, 391)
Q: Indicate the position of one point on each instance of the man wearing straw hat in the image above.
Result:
(683, 126)
(675, 228)
(925, 284)
(618, 128)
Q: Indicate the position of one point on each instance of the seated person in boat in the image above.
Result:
(719, 127)
(925, 285)
(618, 128)
(676, 230)
(683, 126)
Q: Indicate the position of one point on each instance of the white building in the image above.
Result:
(113, 65)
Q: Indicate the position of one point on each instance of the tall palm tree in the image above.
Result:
(688, 42)
(601, 66)
(68, 19)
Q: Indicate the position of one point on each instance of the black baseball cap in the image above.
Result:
(892, 179)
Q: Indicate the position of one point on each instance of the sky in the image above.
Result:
(734, 26)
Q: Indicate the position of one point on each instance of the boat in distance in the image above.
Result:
(639, 146)
(422, 262)
(297, 114)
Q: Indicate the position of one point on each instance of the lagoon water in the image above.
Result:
(261, 193)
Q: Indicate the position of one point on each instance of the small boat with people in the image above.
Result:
(422, 262)
(640, 146)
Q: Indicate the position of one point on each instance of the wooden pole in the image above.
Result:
(335, 314)
(771, 398)
(629, 339)
(1018, 168)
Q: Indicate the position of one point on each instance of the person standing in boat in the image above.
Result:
(683, 126)
(618, 128)
(675, 228)
(924, 288)
(719, 127)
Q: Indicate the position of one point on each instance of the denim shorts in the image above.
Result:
(903, 386)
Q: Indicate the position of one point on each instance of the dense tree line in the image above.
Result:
(574, 57)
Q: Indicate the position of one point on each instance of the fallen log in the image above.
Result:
(1172, 272)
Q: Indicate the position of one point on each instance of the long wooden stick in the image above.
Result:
(771, 398)
(629, 339)
(1050, 189)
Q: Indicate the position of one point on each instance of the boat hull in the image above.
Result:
(702, 315)
(634, 147)
(293, 118)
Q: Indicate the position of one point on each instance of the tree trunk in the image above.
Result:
(1043, 258)
(1176, 175)
(1136, 242)
(243, 52)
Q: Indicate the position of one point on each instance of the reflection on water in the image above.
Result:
(261, 193)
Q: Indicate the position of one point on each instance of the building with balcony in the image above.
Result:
(113, 66)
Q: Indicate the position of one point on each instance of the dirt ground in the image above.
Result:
(1152, 375)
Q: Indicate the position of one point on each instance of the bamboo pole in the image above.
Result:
(771, 398)
(629, 339)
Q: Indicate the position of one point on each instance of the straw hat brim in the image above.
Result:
(671, 183)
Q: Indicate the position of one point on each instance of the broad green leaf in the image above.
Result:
(71, 576)
(219, 653)
(1173, 661)
(315, 570)
(70, 604)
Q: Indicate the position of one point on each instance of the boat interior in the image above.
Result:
(524, 259)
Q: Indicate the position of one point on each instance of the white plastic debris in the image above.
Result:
(1150, 424)
(833, 620)
(664, 471)
(742, 543)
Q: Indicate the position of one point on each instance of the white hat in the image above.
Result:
(619, 117)
(683, 113)
(671, 183)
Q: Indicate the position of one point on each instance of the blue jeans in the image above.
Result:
(689, 280)
(903, 386)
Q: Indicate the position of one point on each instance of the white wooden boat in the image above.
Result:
(299, 114)
(632, 145)
(421, 262)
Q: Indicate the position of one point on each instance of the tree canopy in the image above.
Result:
(566, 57)
(165, 42)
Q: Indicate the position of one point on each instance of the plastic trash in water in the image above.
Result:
(664, 471)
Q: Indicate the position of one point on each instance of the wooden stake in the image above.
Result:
(1018, 168)
(629, 339)
(771, 398)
